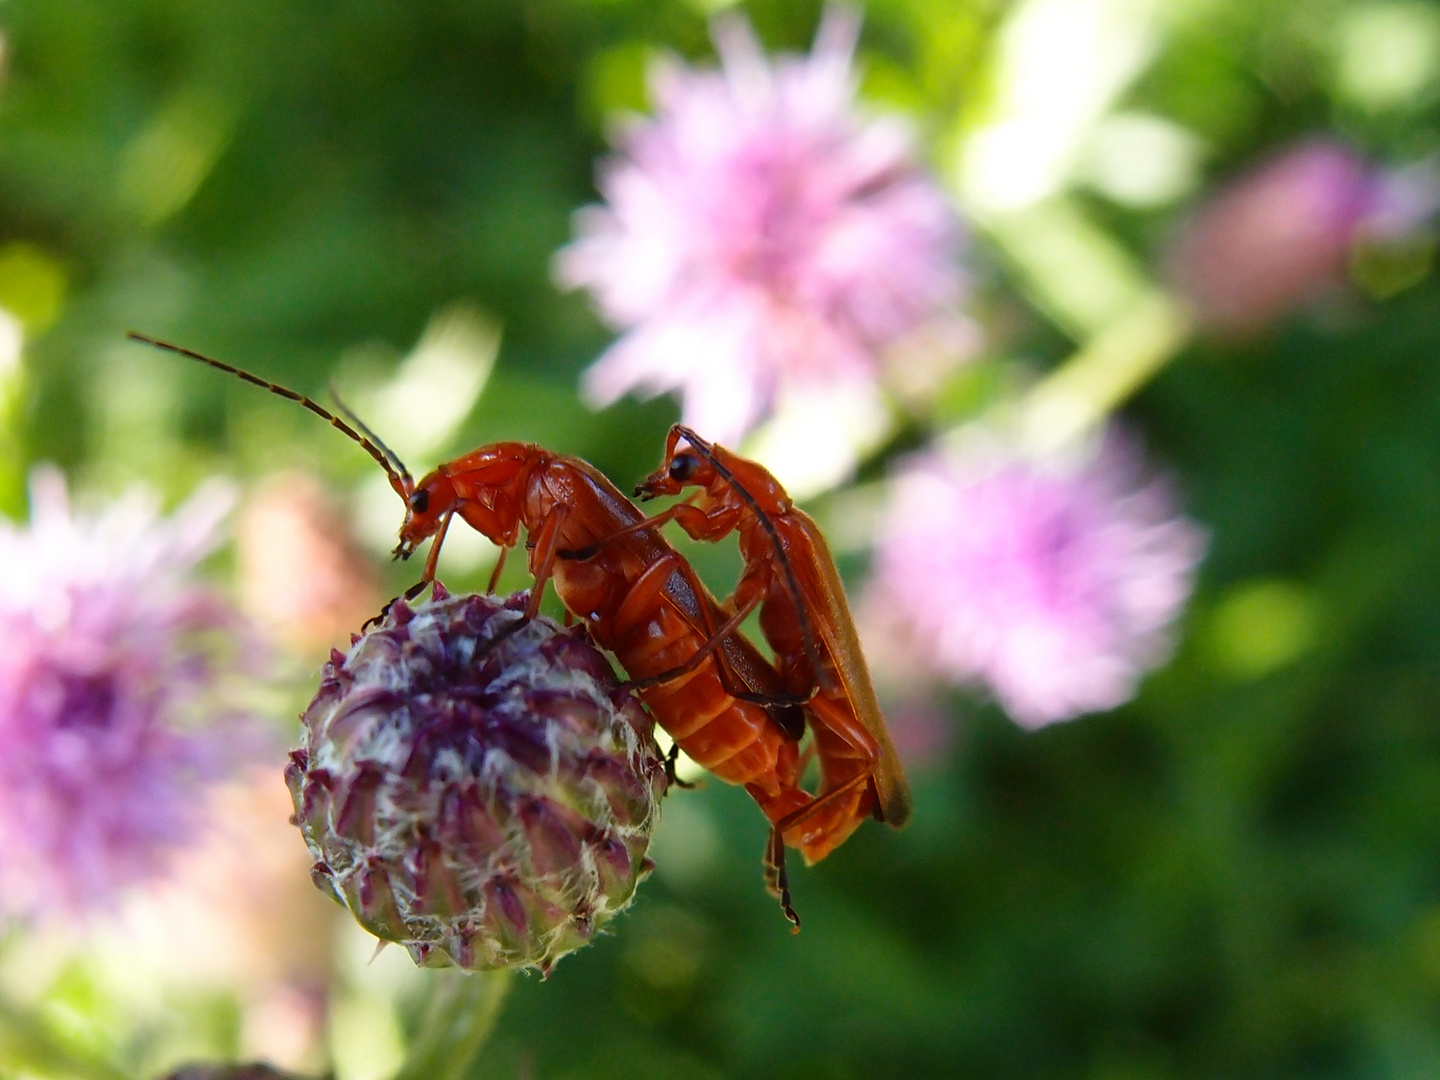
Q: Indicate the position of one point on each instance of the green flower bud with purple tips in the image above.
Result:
(253, 1071)
(474, 787)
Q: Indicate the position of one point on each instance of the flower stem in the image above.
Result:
(461, 1013)
(27, 1043)
(1076, 398)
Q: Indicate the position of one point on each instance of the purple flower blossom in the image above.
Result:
(760, 237)
(108, 663)
(1054, 585)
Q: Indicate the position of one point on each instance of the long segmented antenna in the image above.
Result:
(701, 447)
(365, 429)
(399, 479)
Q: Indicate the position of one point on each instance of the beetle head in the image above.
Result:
(430, 502)
(684, 466)
(725, 476)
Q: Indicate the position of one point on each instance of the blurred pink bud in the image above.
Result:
(1280, 235)
(1054, 585)
(302, 575)
(760, 237)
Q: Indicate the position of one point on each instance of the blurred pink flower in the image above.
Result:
(921, 731)
(1053, 585)
(760, 236)
(1280, 235)
(109, 661)
(237, 912)
(302, 575)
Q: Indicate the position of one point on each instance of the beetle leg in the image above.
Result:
(671, 776)
(590, 550)
(799, 817)
(495, 574)
(777, 881)
(823, 802)
(544, 545)
(376, 620)
(713, 524)
(546, 550)
(431, 560)
(415, 590)
(648, 590)
(700, 655)
(712, 646)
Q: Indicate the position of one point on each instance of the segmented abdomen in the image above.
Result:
(735, 740)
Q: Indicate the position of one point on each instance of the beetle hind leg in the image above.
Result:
(777, 880)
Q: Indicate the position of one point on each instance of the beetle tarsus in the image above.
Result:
(777, 880)
(376, 620)
(671, 776)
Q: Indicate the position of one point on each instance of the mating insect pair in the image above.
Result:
(723, 703)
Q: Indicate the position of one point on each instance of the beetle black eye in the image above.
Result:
(420, 501)
(683, 467)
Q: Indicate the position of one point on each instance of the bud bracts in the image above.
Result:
(474, 787)
(254, 1071)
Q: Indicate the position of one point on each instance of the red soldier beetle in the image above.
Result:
(705, 683)
(791, 577)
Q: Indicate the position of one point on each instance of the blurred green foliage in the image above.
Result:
(1236, 875)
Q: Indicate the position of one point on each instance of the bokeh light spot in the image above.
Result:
(166, 163)
(1387, 54)
(1262, 626)
(1141, 160)
(32, 285)
(687, 844)
(614, 81)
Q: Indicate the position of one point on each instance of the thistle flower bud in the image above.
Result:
(253, 1071)
(476, 788)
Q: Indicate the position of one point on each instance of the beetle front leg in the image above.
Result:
(546, 551)
(427, 576)
(544, 548)
(499, 566)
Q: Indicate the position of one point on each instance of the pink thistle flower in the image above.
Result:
(1054, 585)
(760, 237)
(109, 662)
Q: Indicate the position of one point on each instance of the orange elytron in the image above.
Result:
(705, 683)
(790, 575)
